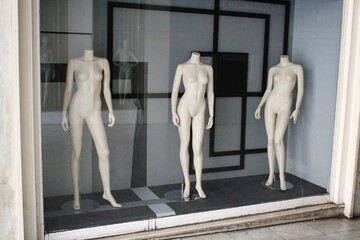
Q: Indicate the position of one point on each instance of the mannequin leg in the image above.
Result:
(281, 126)
(97, 130)
(184, 134)
(198, 127)
(270, 118)
(76, 130)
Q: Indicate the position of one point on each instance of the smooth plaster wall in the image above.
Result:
(10, 157)
(316, 46)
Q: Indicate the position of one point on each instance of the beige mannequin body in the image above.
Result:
(197, 79)
(85, 105)
(282, 79)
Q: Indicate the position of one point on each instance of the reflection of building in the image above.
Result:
(21, 178)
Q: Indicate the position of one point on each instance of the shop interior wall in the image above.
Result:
(316, 46)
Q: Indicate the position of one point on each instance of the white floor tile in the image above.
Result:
(216, 236)
(355, 222)
(348, 235)
(331, 225)
(295, 231)
(255, 234)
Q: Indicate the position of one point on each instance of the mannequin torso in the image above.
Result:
(88, 76)
(284, 80)
(195, 79)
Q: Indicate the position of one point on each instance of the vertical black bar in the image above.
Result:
(110, 27)
(266, 52)
(216, 26)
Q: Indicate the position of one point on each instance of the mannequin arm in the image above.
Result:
(266, 94)
(300, 93)
(67, 93)
(107, 92)
(174, 95)
(210, 97)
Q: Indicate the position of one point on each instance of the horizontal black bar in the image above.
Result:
(254, 151)
(186, 10)
(75, 33)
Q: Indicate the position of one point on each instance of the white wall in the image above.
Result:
(316, 46)
(11, 216)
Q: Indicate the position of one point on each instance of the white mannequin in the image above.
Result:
(197, 79)
(126, 62)
(282, 79)
(86, 105)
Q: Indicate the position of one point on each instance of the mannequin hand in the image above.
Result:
(176, 119)
(210, 122)
(65, 123)
(258, 113)
(111, 119)
(294, 116)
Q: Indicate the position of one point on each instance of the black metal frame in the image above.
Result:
(216, 12)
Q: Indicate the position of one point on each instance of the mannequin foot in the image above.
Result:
(112, 200)
(186, 193)
(76, 202)
(200, 191)
(270, 182)
(282, 184)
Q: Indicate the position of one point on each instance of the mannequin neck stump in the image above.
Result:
(195, 58)
(284, 61)
(88, 55)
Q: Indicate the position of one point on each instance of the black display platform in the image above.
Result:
(221, 194)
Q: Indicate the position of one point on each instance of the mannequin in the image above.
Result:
(197, 79)
(86, 105)
(126, 61)
(282, 79)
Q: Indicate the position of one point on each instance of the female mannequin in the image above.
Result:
(191, 113)
(126, 61)
(86, 105)
(282, 79)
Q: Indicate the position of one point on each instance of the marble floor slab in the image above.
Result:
(324, 229)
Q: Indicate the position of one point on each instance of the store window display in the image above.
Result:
(282, 79)
(181, 64)
(190, 114)
(89, 71)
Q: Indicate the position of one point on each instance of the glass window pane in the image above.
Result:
(227, 124)
(247, 37)
(255, 129)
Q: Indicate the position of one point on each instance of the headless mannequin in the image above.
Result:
(282, 79)
(197, 79)
(125, 56)
(86, 105)
(126, 62)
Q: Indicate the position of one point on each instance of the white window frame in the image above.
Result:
(345, 147)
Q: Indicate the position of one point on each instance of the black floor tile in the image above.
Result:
(221, 194)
